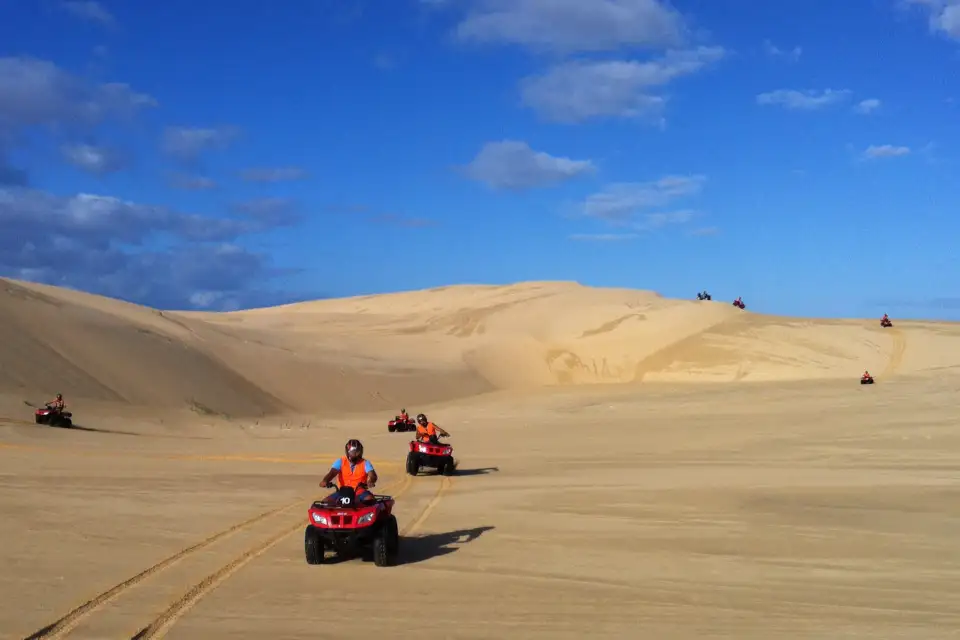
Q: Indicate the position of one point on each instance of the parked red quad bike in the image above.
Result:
(885, 322)
(50, 416)
(434, 456)
(350, 528)
(401, 425)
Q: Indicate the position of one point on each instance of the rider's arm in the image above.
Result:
(334, 470)
(371, 474)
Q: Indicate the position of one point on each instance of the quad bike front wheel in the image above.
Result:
(312, 546)
(386, 544)
(413, 464)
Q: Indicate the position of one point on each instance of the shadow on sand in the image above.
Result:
(476, 472)
(433, 545)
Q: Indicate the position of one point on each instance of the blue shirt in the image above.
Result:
(339, 463)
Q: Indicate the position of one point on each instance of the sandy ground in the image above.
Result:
(737, 482)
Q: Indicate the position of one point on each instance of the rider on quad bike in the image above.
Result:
(57, 404)
(426, 430)
(352, 471)
(404, 416)
(866, 375)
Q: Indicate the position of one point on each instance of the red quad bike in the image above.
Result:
(885, 322)
(401, 425)
(50, 416)
(739, 304)
(866, 379)
(435, 456)
(350, 528)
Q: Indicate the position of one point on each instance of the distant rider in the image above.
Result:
(352, 471)
(426, 430)
(404, 417)
(866, 375)
(57, 404)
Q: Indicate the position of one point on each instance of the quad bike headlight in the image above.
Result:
(422, 448)
(364, 519)
(319, 519)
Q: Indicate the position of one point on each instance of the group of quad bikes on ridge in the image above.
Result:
(352, 521)
(866, 378)
(738, 303)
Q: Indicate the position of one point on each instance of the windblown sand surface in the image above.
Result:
(747, 487)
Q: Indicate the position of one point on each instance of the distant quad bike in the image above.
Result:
(50, 416)
(885, 322)
(739, 304)
(401, 425)
(866, 379)
(352, 529)
(434, 456)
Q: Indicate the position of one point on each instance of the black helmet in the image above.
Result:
(59, 397)
(422, 419)
(351, 445)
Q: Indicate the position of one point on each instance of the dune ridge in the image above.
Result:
(383, 351)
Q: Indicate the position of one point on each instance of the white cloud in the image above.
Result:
(93, 159)
(573, 25)
(579, 90)
(144, 253)
(774, 51)
(867, 106)
(944, 15)
(885, 151)
(803, 100)
(621, 203)
(38, 93)
(512, 164)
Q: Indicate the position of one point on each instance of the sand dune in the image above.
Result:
(702, 497)
(379, 352)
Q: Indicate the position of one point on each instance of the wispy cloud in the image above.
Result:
(774, 51)
(277, 174)
(91, 11)
(622, 202)
(603, 237)
(885, 151)
(867, 106)
(804, 100)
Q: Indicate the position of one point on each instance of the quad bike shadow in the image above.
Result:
(477, 472)
(433, 545)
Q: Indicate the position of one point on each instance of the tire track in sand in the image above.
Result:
(160, 625)
(62, 626)
(897, 353)
(445, 484)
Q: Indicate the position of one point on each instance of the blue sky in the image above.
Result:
(186, 155)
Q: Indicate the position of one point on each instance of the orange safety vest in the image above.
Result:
(427, 431)
(352, 477)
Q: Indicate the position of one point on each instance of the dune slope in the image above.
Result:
(381, 352)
